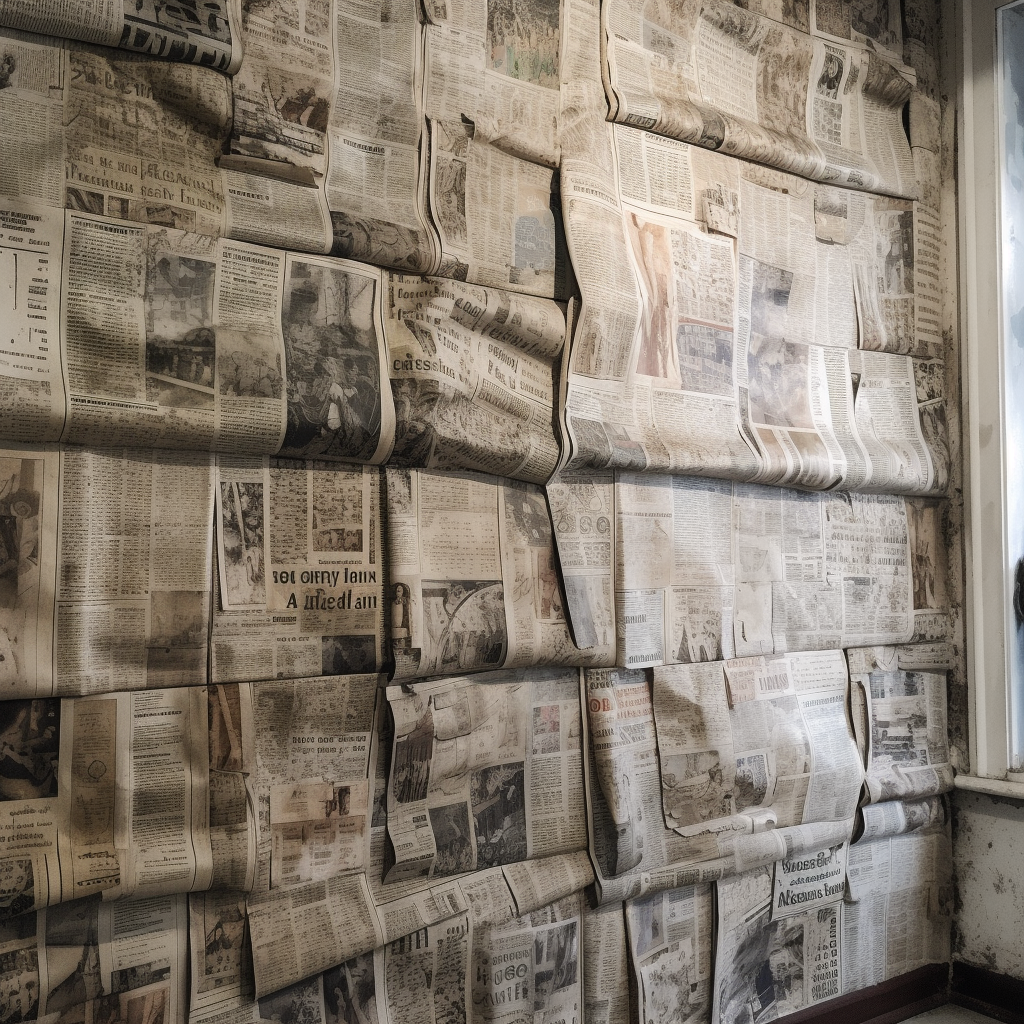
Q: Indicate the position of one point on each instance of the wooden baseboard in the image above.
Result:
(892, 1001)
(995, 995)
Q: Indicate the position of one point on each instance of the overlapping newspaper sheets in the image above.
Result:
(897, 913)
(768, 966)
(182, 340)
(104, 794)
(473, 373)
(714, 73)
(606, 990)
(714, 769)
(300, 570)
(473, 576)
(903, 700)
(485, 770)
(97, 961)
(722, 308)
(206, 34)
(672, 569)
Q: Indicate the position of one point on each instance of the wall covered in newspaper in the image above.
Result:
(471, 509)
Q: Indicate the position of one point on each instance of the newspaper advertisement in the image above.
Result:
(109, 961)
(105, 577)
(473, 575)
(899, 903)
(299, 582)
(530, 969)
(809, 881)
(757, 744)
(104, 794)
(908, 744)
(606, 965)
(498, 217)
(497, 65)
(699, 73)
(768, 966)
(472, 371)
(484, 771)
(929, 569)
(670, 940)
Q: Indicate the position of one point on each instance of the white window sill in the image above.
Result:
(990, 787)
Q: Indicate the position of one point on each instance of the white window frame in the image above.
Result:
(991, 629)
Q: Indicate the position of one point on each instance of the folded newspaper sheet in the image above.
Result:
(206, 34)
(727, 78)
(90, 960)
(106, 561)
(473, 375)
(497, 66)
(499, 217)
(473, 576)
(300, 574)
(104, 794)
(722, 307)
(636, 853)
(670, 943)
(907, 739)
(329, 129)
(768, 966)
(181, 340)
(606, 991)
(898, 908)
(753, 569)
(485, 770)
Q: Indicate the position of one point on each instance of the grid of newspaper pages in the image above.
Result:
(471, 509)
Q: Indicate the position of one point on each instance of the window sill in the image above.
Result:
(990, 787)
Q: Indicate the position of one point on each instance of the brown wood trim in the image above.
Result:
(995, 995)
(888, 1003)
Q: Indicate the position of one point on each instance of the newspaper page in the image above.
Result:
(186, 33)
(606, 995)
(485, 770)
(876, 25)
(890, 423)
(698, 72)
(499, 217)
(220, 960)
(676, 609)
(899, 903)
(819, 571)
(670, 943)
(769, 966)
(134, 554)
(531, 969)
(311, 784)
(473, 575)
(107, 960)
(233, 819)
(473, 374)
(173, 337)
(104, 794)
(376, 183)
(498, 67)
(184, 340)
(929, 375)
(908, 743)
(757, 745)
(299, 581)
(582, 506)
